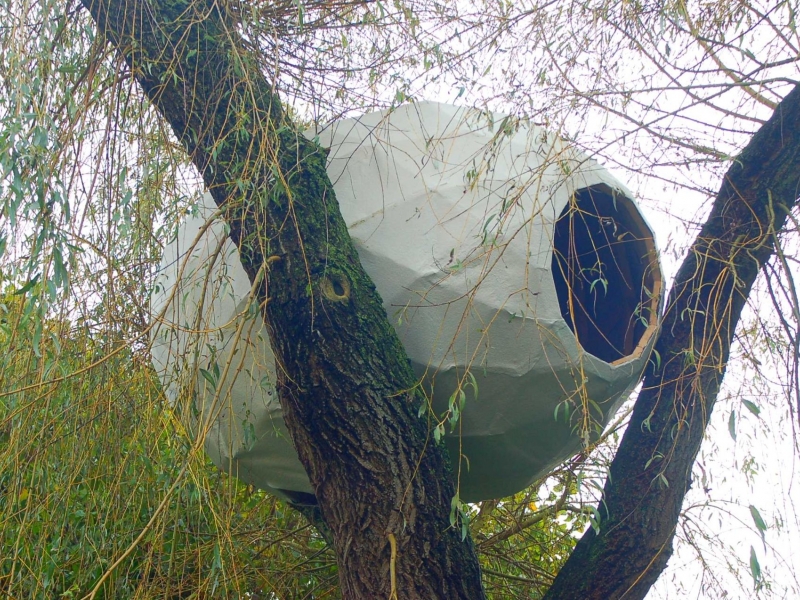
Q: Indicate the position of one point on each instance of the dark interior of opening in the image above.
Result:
(602, 267)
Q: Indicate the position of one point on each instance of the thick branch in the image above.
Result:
(652, 469)
(346, 387)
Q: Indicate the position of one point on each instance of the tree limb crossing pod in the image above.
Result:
(520, 275)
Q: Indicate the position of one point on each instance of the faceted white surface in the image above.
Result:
(453, 220)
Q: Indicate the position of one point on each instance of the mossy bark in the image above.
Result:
(346, 387)
(651, 471)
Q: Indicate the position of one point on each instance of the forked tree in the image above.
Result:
(346, 388)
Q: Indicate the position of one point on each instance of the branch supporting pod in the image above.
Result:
(652, 469)
(347, 391)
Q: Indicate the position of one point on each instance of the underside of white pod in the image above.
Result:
(520, 275)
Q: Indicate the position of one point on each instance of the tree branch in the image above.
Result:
(346, 387)
(652, 469)
(532, 520)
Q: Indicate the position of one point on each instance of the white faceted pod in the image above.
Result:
(519, 274)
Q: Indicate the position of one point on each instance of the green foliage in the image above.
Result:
(524, 540)
(86, 462)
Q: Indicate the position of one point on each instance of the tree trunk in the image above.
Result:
(347, 391)
(651, 471)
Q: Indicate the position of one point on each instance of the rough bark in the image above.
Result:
(346, 387)
(651, 471)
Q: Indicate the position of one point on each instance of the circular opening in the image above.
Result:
(338, 289)
(606, 274)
